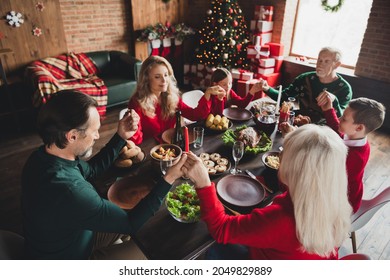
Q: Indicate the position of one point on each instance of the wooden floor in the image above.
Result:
(373, 239)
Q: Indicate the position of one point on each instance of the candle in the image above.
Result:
(186, 140)
(278, 102)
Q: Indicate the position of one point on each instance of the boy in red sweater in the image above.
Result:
(362, 116)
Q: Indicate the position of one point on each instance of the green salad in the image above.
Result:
(183, 203)
(264, 145)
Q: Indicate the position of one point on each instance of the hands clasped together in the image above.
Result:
(189, 166)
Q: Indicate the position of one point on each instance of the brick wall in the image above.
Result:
(92, 25)
(374, 57)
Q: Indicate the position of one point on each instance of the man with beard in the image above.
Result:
(308, 86)
(63, 215)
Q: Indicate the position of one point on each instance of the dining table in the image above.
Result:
(164, 238)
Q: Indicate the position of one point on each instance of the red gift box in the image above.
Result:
(243, 87)
(278, 63)
(264, 12)
(276, 49)
(273, 80)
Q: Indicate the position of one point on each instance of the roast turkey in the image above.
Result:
(249, 136)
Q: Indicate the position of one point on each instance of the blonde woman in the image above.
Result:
(308, 221)
(157, 98)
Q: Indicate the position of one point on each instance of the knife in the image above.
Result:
(254, 177)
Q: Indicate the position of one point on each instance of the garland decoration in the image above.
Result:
(329, 8)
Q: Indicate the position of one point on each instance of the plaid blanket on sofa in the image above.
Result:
(69, 71)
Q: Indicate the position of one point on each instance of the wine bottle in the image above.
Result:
(178, 137)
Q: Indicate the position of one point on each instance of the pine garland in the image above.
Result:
(333, 9)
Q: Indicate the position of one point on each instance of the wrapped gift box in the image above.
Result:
(257, 51)
(243, 87)
(261, 26)
(265, 71)
(264, 12)
(278, 63)
(276, 49)
(240, 74)
(266, 62)
(263, 37)
(273, 79)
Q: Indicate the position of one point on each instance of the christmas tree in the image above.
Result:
(224, 37)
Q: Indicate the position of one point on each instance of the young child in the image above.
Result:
(361, 116)
(222, 78)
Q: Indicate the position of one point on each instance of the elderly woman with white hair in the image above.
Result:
(310, 220)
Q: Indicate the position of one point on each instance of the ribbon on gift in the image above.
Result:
(257, 51)
(242, 74)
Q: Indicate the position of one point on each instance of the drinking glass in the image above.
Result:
(291, 117)
(238, 152)
(164, 165)
(198, 137)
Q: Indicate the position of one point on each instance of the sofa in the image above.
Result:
(111, 78)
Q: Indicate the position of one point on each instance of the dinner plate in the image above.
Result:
(237, 114)
(128, 191)
(167, 135)
(240, 190)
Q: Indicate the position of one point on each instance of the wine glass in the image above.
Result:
(238, 152)
(164, 165)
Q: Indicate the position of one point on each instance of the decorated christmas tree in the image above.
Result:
(224, 37)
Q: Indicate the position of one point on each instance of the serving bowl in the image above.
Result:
(183, 204)
(165, 151)
(267, 157)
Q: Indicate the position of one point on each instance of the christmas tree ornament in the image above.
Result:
(209, 12)
(15, 19)
(220, 20)
(230, 10)
(223, 32)
(238, 47)
(232, 42)
(235, 23)
(225, 56)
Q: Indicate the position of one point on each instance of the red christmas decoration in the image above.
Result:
(235, 23)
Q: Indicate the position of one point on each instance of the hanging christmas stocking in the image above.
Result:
(166, 51)
(156, 44)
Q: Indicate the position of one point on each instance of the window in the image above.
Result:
(315, 28)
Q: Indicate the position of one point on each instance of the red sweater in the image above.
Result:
(154, 127)
(217, 105)
(268, 232)
(356, 162)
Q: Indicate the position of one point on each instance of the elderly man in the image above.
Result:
(63, 215)
(308, 86)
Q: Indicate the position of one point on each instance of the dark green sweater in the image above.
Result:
(309, 82)
(61, 209)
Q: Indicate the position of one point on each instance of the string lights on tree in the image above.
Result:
(224, 36)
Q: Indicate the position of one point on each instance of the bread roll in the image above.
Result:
(209, 120)
(139, 157)
(217, 120)
(131, 152)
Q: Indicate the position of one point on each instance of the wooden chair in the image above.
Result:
(366, 211)
(11, 245)
(356, 256)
